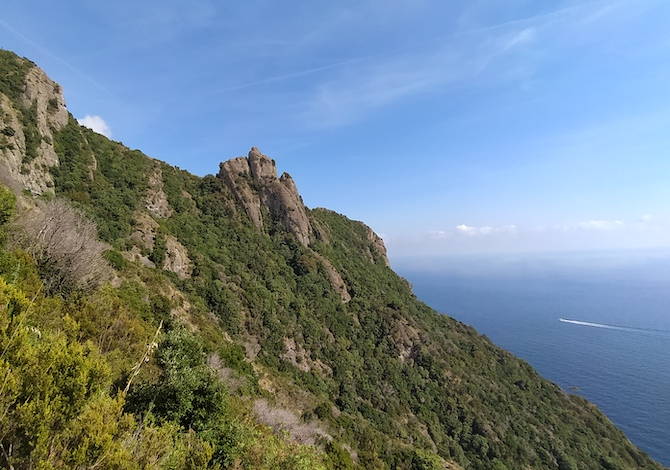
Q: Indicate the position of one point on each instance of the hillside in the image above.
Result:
(151, 318)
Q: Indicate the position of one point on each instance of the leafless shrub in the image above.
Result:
(280, 419)
(225, 374)
(64, 243)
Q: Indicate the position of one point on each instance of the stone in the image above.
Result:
(235, 174)
(156, 200)
(46, 97)
(378, 244)
(254, 183)
(176, 258)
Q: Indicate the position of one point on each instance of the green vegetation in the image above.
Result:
(114, 191)
(12, 85)
(147, 368)
(13, 77)
(64, 361)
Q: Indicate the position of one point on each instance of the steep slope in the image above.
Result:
(33, 108)
(296, 310)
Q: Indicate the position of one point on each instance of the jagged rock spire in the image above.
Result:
(279, 195)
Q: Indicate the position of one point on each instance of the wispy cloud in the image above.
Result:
(438, 234)
(354, 90)
(51, 55)
(369, 85)
(598, 225)
(643, 231)
(148, 25)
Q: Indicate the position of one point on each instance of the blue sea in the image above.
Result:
(595, 323)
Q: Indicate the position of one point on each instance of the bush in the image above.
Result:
(64, 243)
(7, 204)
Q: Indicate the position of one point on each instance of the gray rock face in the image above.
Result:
(176, 258)
(255, 184)
(336, 281)
(156, 200)
(261, 167)
(48, 98)
(281, 197)
(378, 244)
(45, 96)
(236, 174)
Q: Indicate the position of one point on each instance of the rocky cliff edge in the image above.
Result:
(254, 183)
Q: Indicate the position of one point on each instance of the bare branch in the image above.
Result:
(64, 243)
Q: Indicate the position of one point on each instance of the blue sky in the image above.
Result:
(447, 126)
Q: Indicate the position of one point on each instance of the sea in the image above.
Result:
(595, 323)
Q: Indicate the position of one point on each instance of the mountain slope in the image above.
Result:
(296, 310)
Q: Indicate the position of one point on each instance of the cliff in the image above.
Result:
(33, 108)
(254, 183)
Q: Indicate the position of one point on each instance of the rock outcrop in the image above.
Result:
(27, 126)
(254, 183)
(156, 200)
(176, 258)
(48, 98)
(335, 278)
(378, 244)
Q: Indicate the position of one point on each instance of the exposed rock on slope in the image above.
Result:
(156, 199)
(27, 125)
(336, 281)
(236, 175)
(377, 243)
(176, 258)
(255, 184)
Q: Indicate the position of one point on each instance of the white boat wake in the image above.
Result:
(614, 327)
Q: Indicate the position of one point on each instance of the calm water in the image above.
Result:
(615, 348)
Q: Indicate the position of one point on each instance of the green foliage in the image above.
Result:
(234, 356)
(189, 395)
(52, 105)
(7, 205)
(115, 259)
(111, 194)
(52, 388)
(13, 71)
(58, 408)
(187, 392)
(160, 249)
(31, 133)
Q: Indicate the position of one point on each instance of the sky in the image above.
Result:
(448, 126)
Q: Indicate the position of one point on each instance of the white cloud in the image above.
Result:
(643, 231)
(438, 234)
(601, 224)
(97, 124)
(486, 230)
